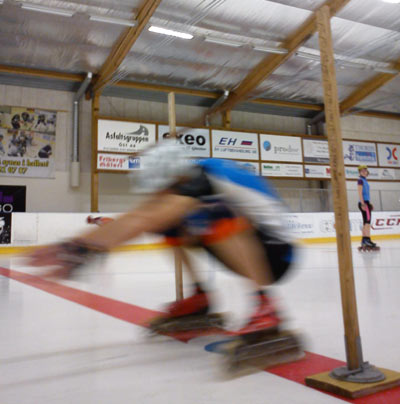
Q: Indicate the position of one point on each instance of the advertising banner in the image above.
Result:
(389, 155)
(356, 153)
(235, 145)
(388, 174)
(38, 228)
(252, 167)
(281, 148)
(351, 173)
(321, 224)
(125, 137)
(12, 199)
(281, 170)
(312, 171)
(27, 142)
(117, 162)
(374, 173)
(315, 151)
(196, 141)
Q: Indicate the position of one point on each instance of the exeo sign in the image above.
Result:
(188, 139)
(196, 141)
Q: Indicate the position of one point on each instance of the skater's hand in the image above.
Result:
(45, 256)
(65, 257)
(363, 206)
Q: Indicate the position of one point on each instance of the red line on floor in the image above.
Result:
(296, 371)
(313, 364)
(123, 311)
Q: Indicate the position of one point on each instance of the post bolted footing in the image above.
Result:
(367, 373)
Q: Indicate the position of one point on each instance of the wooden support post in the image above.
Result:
(226, 119)
(339, 192)
(177, 255)
(94, 194)
(358, 378)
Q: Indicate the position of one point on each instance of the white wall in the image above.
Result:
(55, 195)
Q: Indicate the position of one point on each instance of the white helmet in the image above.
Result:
(160, 166)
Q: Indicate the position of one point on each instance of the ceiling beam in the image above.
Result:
(73, 77)
(123, 46)
(48, 74)
(260, 72)
(166, 89)
(377, 114)
(365, 90)
(287, 104)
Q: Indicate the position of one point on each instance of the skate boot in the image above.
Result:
(261, 343)
(373, 245)
(265, 319)
(190, 314)
(368, 245)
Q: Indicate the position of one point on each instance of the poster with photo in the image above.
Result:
(27, 142)
(20, 118)
(5, 228)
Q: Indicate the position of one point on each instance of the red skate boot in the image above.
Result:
(187, 314)
(265, 320)
(261, 343)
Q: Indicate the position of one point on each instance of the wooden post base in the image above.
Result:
(323, 381)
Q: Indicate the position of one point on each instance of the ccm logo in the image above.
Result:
(385, 223)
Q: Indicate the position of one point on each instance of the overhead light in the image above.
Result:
(267, 49)
(111, 20)
(170, 32)
(391, 1)
(310, 56)
(47, 10)
(221, 41)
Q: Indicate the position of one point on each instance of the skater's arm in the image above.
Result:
(158, 214)
(360, 195)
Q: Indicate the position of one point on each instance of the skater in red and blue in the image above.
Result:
(233, 214)
(366, 209)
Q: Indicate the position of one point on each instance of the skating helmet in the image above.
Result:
(362, 167)
(161, 166)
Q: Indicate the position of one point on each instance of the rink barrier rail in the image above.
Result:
(38, 229)
(162, 246)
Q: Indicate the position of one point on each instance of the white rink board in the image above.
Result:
(321, 225)
(42, 228)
